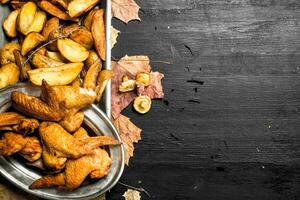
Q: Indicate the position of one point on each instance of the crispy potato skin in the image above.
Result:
(62, 3)
(26, 17)
(50, 26)
(9, 75)
(93, 57)
(41, 61)
(53, 10)
(20, 63)
(88, 20)
(59, 33)
(10, 24)
(31, 41)
(61, 75)
(7, 53)
(79, 7)
(98, 33)
(83, 37)
(103, 78)
(71, 50)
(90, 79)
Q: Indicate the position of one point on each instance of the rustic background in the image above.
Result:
(229, 125)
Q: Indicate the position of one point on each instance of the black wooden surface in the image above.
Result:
(234, 132)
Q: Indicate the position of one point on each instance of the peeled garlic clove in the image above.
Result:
(127, 86)
(142, 104)
(143, 78)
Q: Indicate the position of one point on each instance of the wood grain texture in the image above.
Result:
(228, 127)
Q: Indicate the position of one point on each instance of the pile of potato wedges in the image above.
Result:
(59, 41)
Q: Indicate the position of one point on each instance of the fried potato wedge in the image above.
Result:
(103, 78)
(9, 75)
(79, 7)
(56, 56)
(38, 22)
(60, 33)
(90, 79)
(71, 50)
(53, 10)
(92, 58)
(42, 51)
(67, 30)
(62, 3)
(88, 20)
(41, 61)
(98, 33)
(31, 41)
(10, 24)
(50, 26)
(26, 17)
(61, 75)
(83, 37)
(76, 82)
(7, 53)
(24, 68)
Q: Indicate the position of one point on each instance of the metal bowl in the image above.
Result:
(22, 176)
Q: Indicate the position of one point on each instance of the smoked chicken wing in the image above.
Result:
(72, 96)
(28, 147)
(97, 162)
(72, 120)
(59, 144)
(10, 118)
(11, 121)
(33, 106)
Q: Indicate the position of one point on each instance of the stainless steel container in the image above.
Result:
(95, 120)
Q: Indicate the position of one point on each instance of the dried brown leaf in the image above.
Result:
(129, 66)
(125, 10)
(129, 134)
(155, 89)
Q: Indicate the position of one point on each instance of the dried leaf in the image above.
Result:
(129, 134)
(155, 89)
(125, 10)
(114, 36)
(132, 195)
(130, 66)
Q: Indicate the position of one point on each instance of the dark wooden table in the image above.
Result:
(229, 126)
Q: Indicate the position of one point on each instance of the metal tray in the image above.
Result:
(95, 119)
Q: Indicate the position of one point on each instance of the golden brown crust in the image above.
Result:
(98, 32)
(32, 150)
(10, 118)
(34, 107)
(53, 10)
(12, 143)
(72, 121)
(90, 79)
(71, 96)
